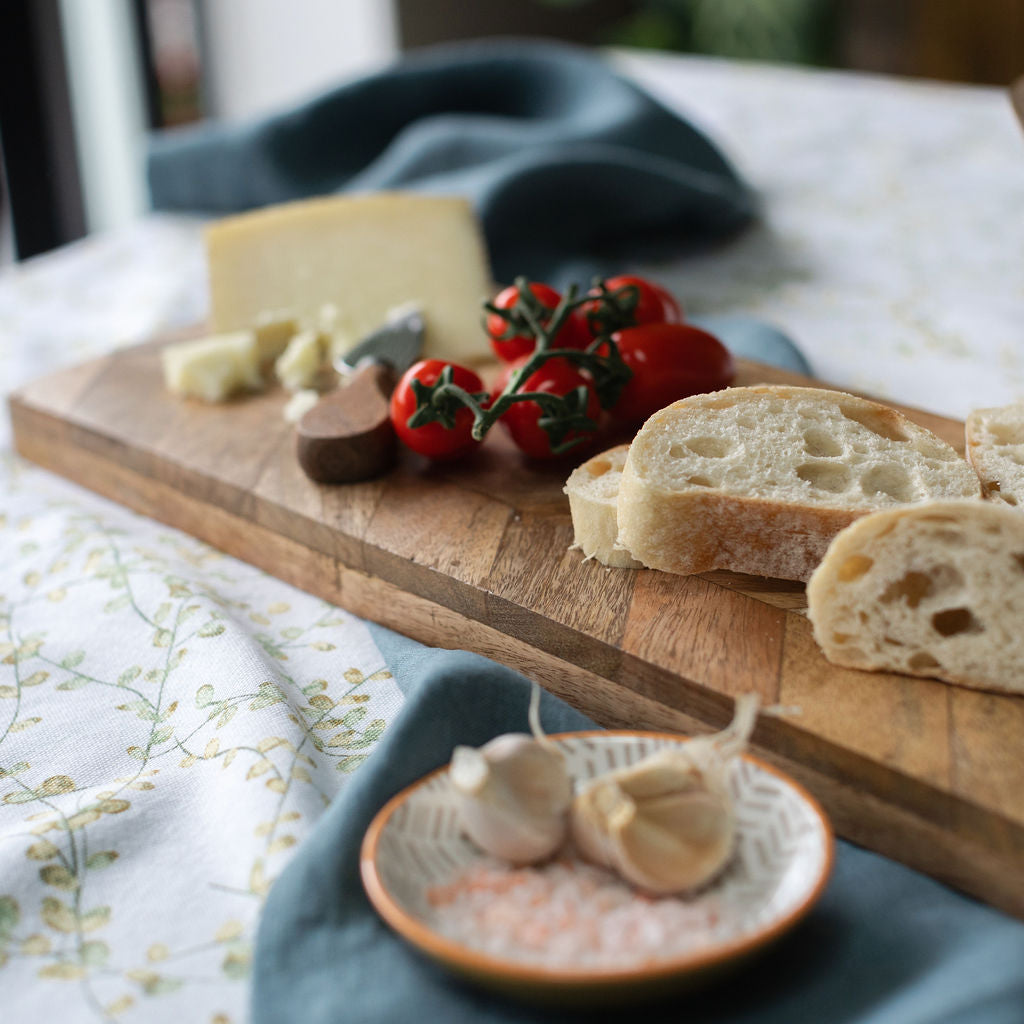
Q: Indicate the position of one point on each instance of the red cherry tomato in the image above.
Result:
(557, 377)
(574, 333)
(434, 439)
(654, 304)
(669, 362)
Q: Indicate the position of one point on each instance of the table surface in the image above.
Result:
(153, 689)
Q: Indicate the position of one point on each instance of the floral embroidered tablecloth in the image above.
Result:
(172, 721)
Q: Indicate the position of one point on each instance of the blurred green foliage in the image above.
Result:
(792, 31)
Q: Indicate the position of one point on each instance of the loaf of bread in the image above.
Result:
(931, 590)
(593, 490)
(760, 479)
(995, 448)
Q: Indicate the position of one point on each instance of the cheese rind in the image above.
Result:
(362, 254)
(213, 368)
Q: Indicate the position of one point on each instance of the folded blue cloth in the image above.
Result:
(885, 945)
(755, 339)
(568, 165)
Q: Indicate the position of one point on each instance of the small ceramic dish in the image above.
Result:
(414, 856)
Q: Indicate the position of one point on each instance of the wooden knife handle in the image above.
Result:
(347, 436)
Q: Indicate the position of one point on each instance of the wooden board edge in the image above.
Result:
(905, 831)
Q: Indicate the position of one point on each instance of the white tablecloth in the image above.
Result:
(172, 721)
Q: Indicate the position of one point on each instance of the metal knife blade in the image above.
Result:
(347, 436)
(397, 343)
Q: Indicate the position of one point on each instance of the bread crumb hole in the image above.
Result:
(921, 661)
(892, 641)
(818, 442)
(862, 616)
(598, 467)
(875, 423)
(840, 638)
(725, 402)
(853, 568)
(1019, 559)
(709, 447)
(912, 588)
(699, 481)
(954, 621)
(1007, 433)
(891, 480)
(825, 476)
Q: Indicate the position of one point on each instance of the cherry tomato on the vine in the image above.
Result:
(669, 362)
(654, 304)
(434, 439)
(574, 333)
(558, 376)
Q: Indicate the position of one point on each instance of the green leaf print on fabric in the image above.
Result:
(156, 682)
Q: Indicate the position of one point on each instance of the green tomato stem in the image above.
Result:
(609, 371)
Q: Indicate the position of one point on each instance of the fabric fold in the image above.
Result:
(561, 157)
(885, 945)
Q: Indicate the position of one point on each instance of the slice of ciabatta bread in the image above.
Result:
(931, 590)
(593, 489)
(995, 448)
(760, 479)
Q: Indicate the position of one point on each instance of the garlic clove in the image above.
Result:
(666, 824)
(593, 807)
(514, 794)
(665, 771)
(664, 844)
(678, 846)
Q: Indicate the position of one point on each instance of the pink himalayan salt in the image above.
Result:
(567, 914)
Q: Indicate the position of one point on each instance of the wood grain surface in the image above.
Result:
(477, 555)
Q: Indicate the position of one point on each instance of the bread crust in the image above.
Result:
(702, 531)
(933, 590)
(684, 527)
(592, 489)
(995, 449)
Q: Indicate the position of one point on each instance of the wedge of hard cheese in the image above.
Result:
(760, 479)
(343, 263)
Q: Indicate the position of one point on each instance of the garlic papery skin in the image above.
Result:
(514, 795)
(664, 844)
(665, 824)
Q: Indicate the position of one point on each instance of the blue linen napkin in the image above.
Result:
(885, 945)
(565, 162)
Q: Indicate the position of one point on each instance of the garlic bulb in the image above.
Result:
(514, 793)
(666, 824)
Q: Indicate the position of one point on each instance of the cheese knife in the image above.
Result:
(347, 436)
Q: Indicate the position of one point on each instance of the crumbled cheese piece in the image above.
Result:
(273, 330)
(300, 363)
(213, 368)
(299, 404)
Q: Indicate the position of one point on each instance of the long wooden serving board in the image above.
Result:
(476, 555)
